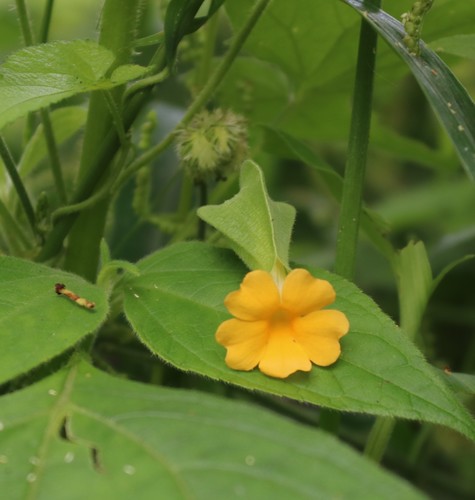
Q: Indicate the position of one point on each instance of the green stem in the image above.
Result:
(53, 155)
(357, 152)
(204, 68)
(24, 22)
(119, 22)
(88, 182)
(17, 183)
(379, 437)
(44, 113)
(16, 238)
(203, 188)
(46, 21)
(206, 93)
(352, 195)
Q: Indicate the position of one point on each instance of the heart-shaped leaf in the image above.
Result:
(84, 434)
(35, 323)
(258, 228)
(176, 305)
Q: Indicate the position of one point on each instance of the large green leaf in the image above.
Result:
(176, 305)
(449, 99)
(35, 323)
(37, 76)
(84, 434)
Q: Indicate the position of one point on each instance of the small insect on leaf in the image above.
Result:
(61, 289)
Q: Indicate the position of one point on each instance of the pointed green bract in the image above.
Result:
(258, 229)
(176, 305)
(89, 435)
(37, 76)
(414, 285)
(36, 324)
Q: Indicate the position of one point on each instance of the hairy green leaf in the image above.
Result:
(37, 76)
(84, 434)
(35, 323)
(258, 229)
(176, 305)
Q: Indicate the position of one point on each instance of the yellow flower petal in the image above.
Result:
(257, 298)
(244, 341)
(318, 334)
(302, 293)
(282, 356)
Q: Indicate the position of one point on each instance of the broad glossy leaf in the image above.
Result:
(176, 305)
(127, 440)
(40, 75)
(35, 323)
(449, 99)
(258, 229)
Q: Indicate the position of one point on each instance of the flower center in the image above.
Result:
(281, 318)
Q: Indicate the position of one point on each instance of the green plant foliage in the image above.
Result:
(95, 436)
(64, 70)
(449, 99)
(258, 229)
(458, 45)
(35, 323)
(414, 284)
(379, 371)
(66, 122)
(316, 105)
(93, 96)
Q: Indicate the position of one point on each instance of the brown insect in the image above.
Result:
(61, 289)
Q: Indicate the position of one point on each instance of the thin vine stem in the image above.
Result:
(46, 21)
(9, 163)
(51, 145)
(53, 155)
(24, 20)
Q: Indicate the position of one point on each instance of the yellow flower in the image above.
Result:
(282, 329)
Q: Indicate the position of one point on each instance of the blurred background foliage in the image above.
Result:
(295, 76)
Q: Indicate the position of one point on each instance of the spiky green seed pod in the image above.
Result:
(213, 144)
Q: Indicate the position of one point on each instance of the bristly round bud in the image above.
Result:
(213, 144)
